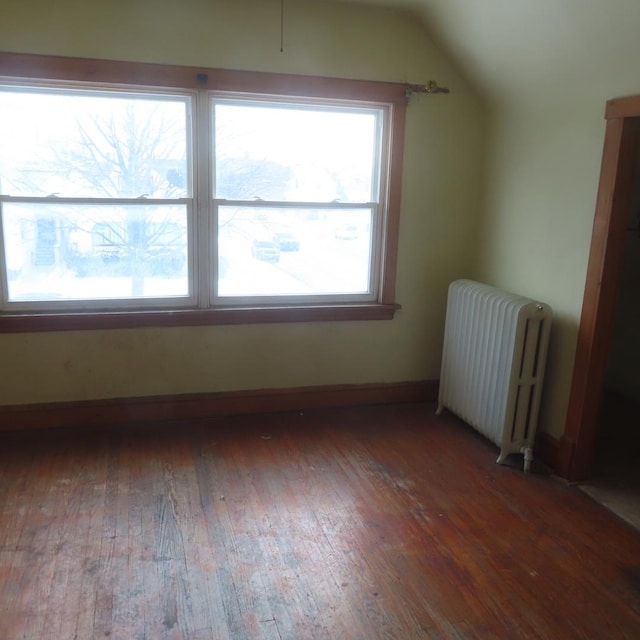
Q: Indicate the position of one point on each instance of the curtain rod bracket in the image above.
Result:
(430, 87)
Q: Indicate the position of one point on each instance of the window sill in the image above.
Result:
(27, 323)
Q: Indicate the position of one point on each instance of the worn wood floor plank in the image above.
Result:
(309, 479)
(215, 475)
(361, 523)
(272, 580)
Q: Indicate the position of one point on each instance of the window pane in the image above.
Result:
(89, 145)
(79, 252)
(292, 153)
(273, 252)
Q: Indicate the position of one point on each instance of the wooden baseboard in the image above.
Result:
(556, 453)
(202, 405)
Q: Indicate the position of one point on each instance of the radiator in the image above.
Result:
(493, 361)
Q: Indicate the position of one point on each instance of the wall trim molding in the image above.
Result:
(118, 411)
(146, 409)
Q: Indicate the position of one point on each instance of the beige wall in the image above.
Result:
(442, 195)
(547, 67)
(536, 232)
(542, 175)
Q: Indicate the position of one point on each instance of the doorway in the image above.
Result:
(615, 474)
(611, 224)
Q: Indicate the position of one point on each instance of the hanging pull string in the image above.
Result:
(281, 26)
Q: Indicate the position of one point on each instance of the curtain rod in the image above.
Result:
(431, 87)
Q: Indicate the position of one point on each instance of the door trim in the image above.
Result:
(603, 277)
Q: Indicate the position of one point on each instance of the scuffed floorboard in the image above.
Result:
(358, 523)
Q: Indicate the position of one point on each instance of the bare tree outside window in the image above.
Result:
(108, 149)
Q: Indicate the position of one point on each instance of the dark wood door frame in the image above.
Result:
(603, 277)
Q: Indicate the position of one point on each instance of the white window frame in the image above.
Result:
(378, 211)
(203, 305)
(96, 304)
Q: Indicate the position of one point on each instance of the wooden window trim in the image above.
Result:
(22, 323)
(57, 68)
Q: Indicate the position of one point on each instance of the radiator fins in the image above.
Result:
(493, 361)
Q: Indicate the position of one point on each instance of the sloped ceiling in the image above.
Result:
(540, 52)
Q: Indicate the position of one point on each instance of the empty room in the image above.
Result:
(319, 319)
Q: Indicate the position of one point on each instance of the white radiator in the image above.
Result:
(493, 361)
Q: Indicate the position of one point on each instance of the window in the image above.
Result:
(194, 204)
(88, 179)
(288, 178)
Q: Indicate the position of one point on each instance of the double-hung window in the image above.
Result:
(97, 204)
(196, 204)
(297, 200)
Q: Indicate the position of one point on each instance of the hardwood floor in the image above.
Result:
(373, 522)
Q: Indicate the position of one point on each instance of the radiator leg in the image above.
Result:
(440, 409)
(528, 458)
(502, 457)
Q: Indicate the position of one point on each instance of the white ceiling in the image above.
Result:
(540, 51)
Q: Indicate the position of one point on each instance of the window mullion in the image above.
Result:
(203, 157)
